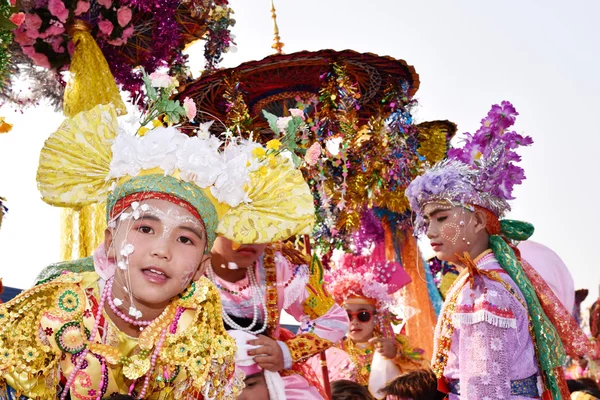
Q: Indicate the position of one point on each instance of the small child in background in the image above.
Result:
(344, 389)
(420, 384)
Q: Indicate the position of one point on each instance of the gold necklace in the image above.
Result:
(361, 358)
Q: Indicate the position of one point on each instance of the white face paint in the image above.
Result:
(158, 247)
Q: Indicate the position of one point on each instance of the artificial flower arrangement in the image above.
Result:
(130, 33)
(145, 140)
(43, 31)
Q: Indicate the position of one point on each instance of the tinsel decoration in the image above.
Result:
(238, 116)
(434, 139)
(41, 83)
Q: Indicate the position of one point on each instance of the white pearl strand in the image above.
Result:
(257, 299)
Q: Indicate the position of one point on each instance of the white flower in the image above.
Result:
(135, 206)
(333, 145)
(122, 265)
(160, 80)
(229, 186)
(124, 216)
(125, 151)
(127, 250)
(199, 161)
(203, 131)
(134, 312)
(159, 148)
(117, 302)
(282, 123)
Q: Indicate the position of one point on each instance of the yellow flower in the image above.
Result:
(142, 131)
(259, 152)
(272, 161)
(273, 144)
(6, 356)
(4, 126)
(157, 123)
(30, 354)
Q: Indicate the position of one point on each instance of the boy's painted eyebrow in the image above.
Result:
(433, 213)
(195, 231)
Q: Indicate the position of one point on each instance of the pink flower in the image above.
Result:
(13, 2)
(17, 18)
(312, 154)
(82, 7)
(296, 112)
(160, 80)
(116, 42)
(33, 22)
(106, 27)
(105, 3)
(37, 58)
(58, 9)
(53, 30)
(23, 38)
(127, 32)
(124, 16)
(190, 108)
(57, 44)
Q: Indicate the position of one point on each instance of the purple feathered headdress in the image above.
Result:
(482, 173)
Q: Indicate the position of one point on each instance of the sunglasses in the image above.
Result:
(362, 316)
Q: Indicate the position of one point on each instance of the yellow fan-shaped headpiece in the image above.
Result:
(78, 166)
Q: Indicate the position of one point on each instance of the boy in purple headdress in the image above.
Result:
(497, 336)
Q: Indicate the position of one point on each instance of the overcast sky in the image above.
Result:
(543, 56)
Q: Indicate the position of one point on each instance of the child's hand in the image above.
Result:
(385, 346)
(269, 355)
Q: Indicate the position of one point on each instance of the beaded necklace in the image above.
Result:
(257, 302)
(210, 272)
(361, 358)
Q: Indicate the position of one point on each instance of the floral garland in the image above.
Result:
(353, 168)
(160, 27)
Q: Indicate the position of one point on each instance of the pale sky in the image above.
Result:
(543, 56)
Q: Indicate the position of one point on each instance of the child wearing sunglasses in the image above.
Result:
(364, 285)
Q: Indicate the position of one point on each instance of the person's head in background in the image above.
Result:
(415, 385)
(256, 388)
(348, 390)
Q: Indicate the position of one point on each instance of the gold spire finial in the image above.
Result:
(278, 46)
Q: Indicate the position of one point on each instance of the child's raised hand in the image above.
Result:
(385, 346)
(269, 355)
